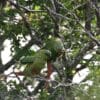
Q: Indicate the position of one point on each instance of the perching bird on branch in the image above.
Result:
(55, 45)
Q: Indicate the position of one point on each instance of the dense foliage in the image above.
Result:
(28, 24)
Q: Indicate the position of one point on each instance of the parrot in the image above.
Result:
(35, 63)
(55, 45)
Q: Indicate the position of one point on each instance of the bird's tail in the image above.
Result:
(49, 72)
(50, 69)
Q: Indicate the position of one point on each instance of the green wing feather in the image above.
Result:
(27, 59)
(37, 62)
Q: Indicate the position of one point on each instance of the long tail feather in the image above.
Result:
(50, 69)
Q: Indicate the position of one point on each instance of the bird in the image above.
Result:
(35, 63)
(55, 45)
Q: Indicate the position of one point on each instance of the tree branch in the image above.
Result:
(24, 8)
(95, 4)
(84, 65)
(17, 56)
(81, 53)
(34, 40)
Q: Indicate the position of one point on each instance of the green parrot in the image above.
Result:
(55, 45)
(35, 63)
